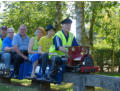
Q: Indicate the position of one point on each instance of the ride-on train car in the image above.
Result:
(78, 59)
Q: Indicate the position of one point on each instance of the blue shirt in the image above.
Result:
(58, 42)
(21, 43)
(7, 42)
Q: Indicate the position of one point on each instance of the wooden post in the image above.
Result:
(89, 88)
(45, 85)
(42, 85)
(4, 80)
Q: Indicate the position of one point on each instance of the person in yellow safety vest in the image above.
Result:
(58, 50)
(0, 44)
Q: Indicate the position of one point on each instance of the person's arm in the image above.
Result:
(6, 45)
(15, 47)
(30, 45)
(40, 50)
(63, 49)
(58, 44)
(40, 43)
(19, 52)
(8, 49)
(74, 42)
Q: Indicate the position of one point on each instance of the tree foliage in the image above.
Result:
(105, 23)
(33, 14)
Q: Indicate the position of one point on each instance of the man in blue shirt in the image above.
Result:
(58, 42)
(20, 45)
(7, 47)
(61, 39)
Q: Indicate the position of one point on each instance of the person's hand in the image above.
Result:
(63, 49)
(11, 48)
(66, 55)
(25, 57)
(66, 51)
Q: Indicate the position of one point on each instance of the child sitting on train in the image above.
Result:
(44, 45)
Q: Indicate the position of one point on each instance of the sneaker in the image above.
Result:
(33, 76)
(43, 77)
(15, 76)
(28, 77)
(51, 79)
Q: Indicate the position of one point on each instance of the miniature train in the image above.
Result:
(78, 59)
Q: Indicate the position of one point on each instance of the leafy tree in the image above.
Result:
(107, 27)
(32, 13)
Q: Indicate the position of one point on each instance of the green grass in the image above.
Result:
(109, 74)
(9, 87)
(106, 74)
(63, 87)
(100, 89)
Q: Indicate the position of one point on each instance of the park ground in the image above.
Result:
(24, 85)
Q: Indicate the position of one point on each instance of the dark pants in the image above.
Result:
(44, 58)
(18, 60)
(56, 63)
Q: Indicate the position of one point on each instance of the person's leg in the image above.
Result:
(34, 57)
(44, 58)
(33, 70)
(12, 57)
(34, 60)
(17, 61)
(1, 53)
(56, 62)
(6, 57)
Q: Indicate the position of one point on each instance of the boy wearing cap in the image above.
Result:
(3, 32)
(61, 39)
(44, 45)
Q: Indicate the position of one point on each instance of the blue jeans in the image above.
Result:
(6, 58)
(43, 59)
(34, 57)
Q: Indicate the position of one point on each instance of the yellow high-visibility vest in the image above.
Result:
(1, 44)
(60, 34)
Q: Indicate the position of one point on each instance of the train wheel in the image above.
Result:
(88, 61)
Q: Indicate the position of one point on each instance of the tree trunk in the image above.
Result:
(113, 61)
(80, 27)
(113, 56)
(58, 15)
(92, 21)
